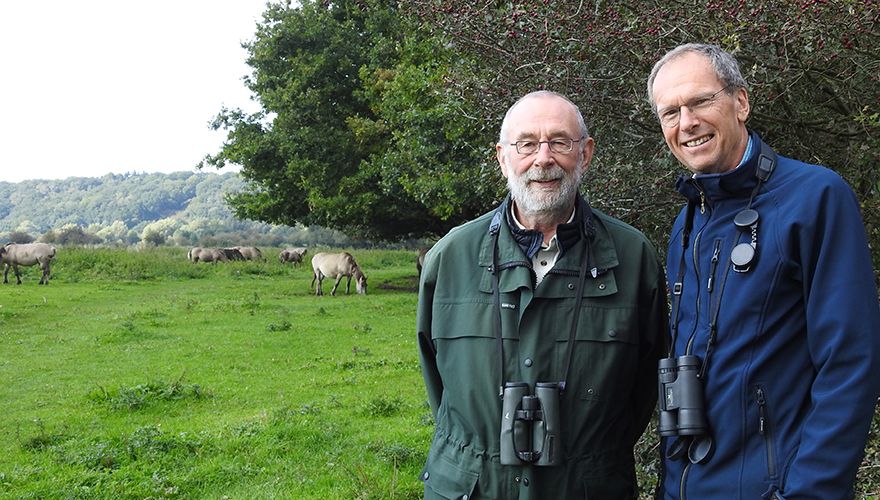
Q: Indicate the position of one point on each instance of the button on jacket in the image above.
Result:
(611, 387)
(792, 377)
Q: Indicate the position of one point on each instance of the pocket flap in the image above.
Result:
(447, 480)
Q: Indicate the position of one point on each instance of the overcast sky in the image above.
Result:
(91, 87)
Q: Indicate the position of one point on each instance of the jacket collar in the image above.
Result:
(567, 235)
(517, 267)
(586, 221)
(736, 183)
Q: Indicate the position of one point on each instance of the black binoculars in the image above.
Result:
(682, 410)
(530, 424)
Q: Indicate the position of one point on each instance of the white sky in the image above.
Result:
(91, 87)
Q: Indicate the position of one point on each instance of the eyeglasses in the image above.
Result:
(561, 146)
(669, 117)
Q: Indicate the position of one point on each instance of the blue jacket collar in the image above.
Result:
(737, 183)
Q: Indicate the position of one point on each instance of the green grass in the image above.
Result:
(136, 374)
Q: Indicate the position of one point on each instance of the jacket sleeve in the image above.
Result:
(842, 319)
(654, 338)
(427, 352)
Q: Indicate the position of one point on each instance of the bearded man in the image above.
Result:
(539, 329)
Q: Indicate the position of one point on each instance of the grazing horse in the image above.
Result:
(250, 253)
(337, 265)
(27, 254)
(294, 255)
(199, 254)
(232, 253)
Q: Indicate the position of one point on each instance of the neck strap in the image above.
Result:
(586, 260)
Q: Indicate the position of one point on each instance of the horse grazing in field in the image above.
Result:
(337, 265)
(250, 253)
(232, 253)
(294, 255)
(199, 254)
(27, 254)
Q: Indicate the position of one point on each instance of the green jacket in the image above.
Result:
(612, 384)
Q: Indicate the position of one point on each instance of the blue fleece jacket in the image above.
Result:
(793, 372)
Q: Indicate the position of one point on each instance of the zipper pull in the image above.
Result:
(715, 255)
(702, 203)
(762, 420)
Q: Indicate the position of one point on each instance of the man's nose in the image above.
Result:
(687, 119)
(543, 156)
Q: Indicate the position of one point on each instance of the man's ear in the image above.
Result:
(589, 148)
(499, 155)
(743, 108)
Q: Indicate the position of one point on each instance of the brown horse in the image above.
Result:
(337, 265)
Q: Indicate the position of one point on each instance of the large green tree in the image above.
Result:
(379, 116)
(355, 132)
(813, 66)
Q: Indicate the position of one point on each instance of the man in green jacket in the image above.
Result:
(539, 327)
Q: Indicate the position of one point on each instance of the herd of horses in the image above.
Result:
(324, 264)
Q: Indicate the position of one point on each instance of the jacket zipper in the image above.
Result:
(696, 245)
(765, 430)
(715, 254)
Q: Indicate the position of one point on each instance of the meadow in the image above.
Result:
(141, 375)
(136, 374)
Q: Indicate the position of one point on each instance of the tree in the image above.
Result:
(20, 237)
(158, 232)
(813, 66)
(354, 133)
(70, 234)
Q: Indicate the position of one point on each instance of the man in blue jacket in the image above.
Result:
(774, 367)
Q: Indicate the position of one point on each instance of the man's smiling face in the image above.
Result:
(713, 138)
(544, 182)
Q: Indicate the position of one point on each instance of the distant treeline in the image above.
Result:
(182, 208)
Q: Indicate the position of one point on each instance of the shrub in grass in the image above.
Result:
(396, 453)
(42, 440)
(144, 444)
(139, 396)
(382, 406)
(281, 326)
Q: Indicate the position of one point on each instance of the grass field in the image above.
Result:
(140, 375)
(137, 374)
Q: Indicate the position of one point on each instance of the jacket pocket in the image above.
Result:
(605, 353)
(446, 480)
(765, 429)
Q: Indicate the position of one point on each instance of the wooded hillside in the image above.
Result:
(180, 208)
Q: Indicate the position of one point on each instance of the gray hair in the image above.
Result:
(502, 136)
(725, 66)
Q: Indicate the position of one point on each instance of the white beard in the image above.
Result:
(543, 204)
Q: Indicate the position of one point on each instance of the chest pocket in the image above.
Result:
(605, 353)
(465, 340)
